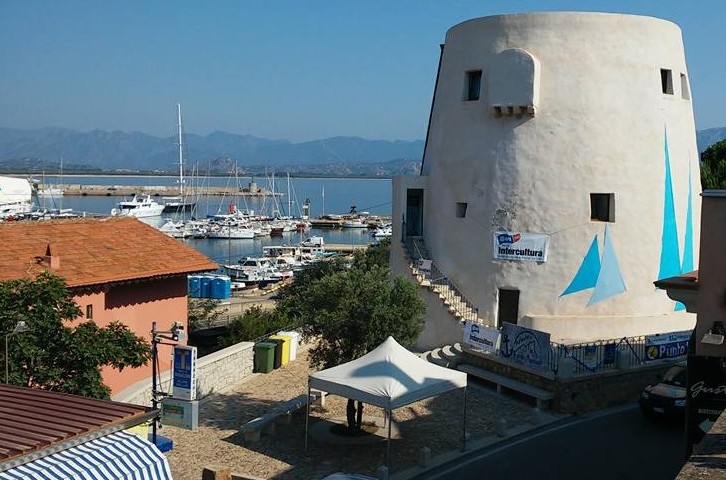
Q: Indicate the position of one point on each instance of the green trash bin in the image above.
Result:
(279, 343)
(265, 356)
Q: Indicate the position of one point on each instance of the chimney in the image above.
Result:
(50, 260)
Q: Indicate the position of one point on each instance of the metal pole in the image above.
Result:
(6, 357)
(463, 433)
(307, 418)
(154, 403)
(388, 443)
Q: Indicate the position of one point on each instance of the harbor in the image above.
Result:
(81, 190)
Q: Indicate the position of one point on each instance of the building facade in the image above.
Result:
(117, 269)
(560, 175)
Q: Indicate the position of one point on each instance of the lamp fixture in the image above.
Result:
(715, 335)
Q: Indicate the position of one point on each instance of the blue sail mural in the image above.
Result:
(601, 274)
(670, 260)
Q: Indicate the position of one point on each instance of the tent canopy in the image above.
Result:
(388, 376)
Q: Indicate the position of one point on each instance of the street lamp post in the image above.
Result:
(20, 327)
(174, 334)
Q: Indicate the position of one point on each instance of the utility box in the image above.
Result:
(265, 356)
(180, 413)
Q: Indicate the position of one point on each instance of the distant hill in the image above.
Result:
(218, 153)
(136, 151)
(706, 138)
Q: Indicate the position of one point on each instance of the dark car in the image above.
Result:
(668, 397)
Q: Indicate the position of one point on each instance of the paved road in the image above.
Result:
(614, 444)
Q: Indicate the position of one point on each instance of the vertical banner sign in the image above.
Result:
(666, 346)
(527, 347)
(531, 247)
(481, 337)
(185, 382)
(706, 396)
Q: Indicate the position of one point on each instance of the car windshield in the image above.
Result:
(675, 376)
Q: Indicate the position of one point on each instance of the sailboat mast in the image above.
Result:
(181, 155)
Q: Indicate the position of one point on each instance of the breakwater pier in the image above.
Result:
(161, 190)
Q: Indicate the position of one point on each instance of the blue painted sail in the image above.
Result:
(610, 280)
(586, 276)
(687, 265)
(670, 263)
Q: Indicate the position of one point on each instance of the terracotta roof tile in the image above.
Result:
(94, 251)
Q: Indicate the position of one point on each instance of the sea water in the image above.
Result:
(325, 195)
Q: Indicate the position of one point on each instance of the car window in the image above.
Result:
(675, 376)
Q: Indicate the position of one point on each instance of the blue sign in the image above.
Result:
(184, 378)
(666, 346)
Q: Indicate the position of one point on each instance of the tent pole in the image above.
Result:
(463, 433)
(388, 444)
(307, 419)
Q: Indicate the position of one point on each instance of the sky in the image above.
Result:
(279, 69)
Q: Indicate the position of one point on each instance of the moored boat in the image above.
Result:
(139, 207)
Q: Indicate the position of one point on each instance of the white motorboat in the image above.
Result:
(353, 223)
(232, 232)
(255, 271)
(384, 231)
(138, 207)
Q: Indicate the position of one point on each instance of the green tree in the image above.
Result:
(57, 352)
(352, 307)
(203, 312)
(713, 167)
(252, 324)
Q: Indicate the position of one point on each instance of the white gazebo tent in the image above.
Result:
(388, 377)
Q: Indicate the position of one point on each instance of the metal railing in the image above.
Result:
(440, 283)
(600, 355)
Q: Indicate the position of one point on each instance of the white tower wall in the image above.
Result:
(570, 104)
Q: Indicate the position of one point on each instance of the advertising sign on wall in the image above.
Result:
(525, 346)
(706, 396)
(668, 345)
(184, 374)
(530, 247)
(481, 337)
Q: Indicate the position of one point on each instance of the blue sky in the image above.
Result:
(291, 69)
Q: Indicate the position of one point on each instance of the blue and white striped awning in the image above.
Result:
(117, 456)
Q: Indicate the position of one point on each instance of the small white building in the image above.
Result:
(560, 176)
(16, 196)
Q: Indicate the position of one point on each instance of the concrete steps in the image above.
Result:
(448, 356)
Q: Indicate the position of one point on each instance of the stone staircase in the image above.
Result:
(428, 276)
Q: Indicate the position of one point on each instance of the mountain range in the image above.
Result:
(218, 153)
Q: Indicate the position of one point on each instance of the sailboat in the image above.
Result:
(49, 192)
(179, 203)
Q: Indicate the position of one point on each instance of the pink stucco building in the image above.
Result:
(119, 269)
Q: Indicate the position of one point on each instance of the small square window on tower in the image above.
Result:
(461, 209)
(685, 91)
(473, 85)
(666, 81)
(602, 207)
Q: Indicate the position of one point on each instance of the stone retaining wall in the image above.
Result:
(581, 392)
(215, 372)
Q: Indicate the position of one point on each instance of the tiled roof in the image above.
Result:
(687, 281)
(89, 252)
(34, 420)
